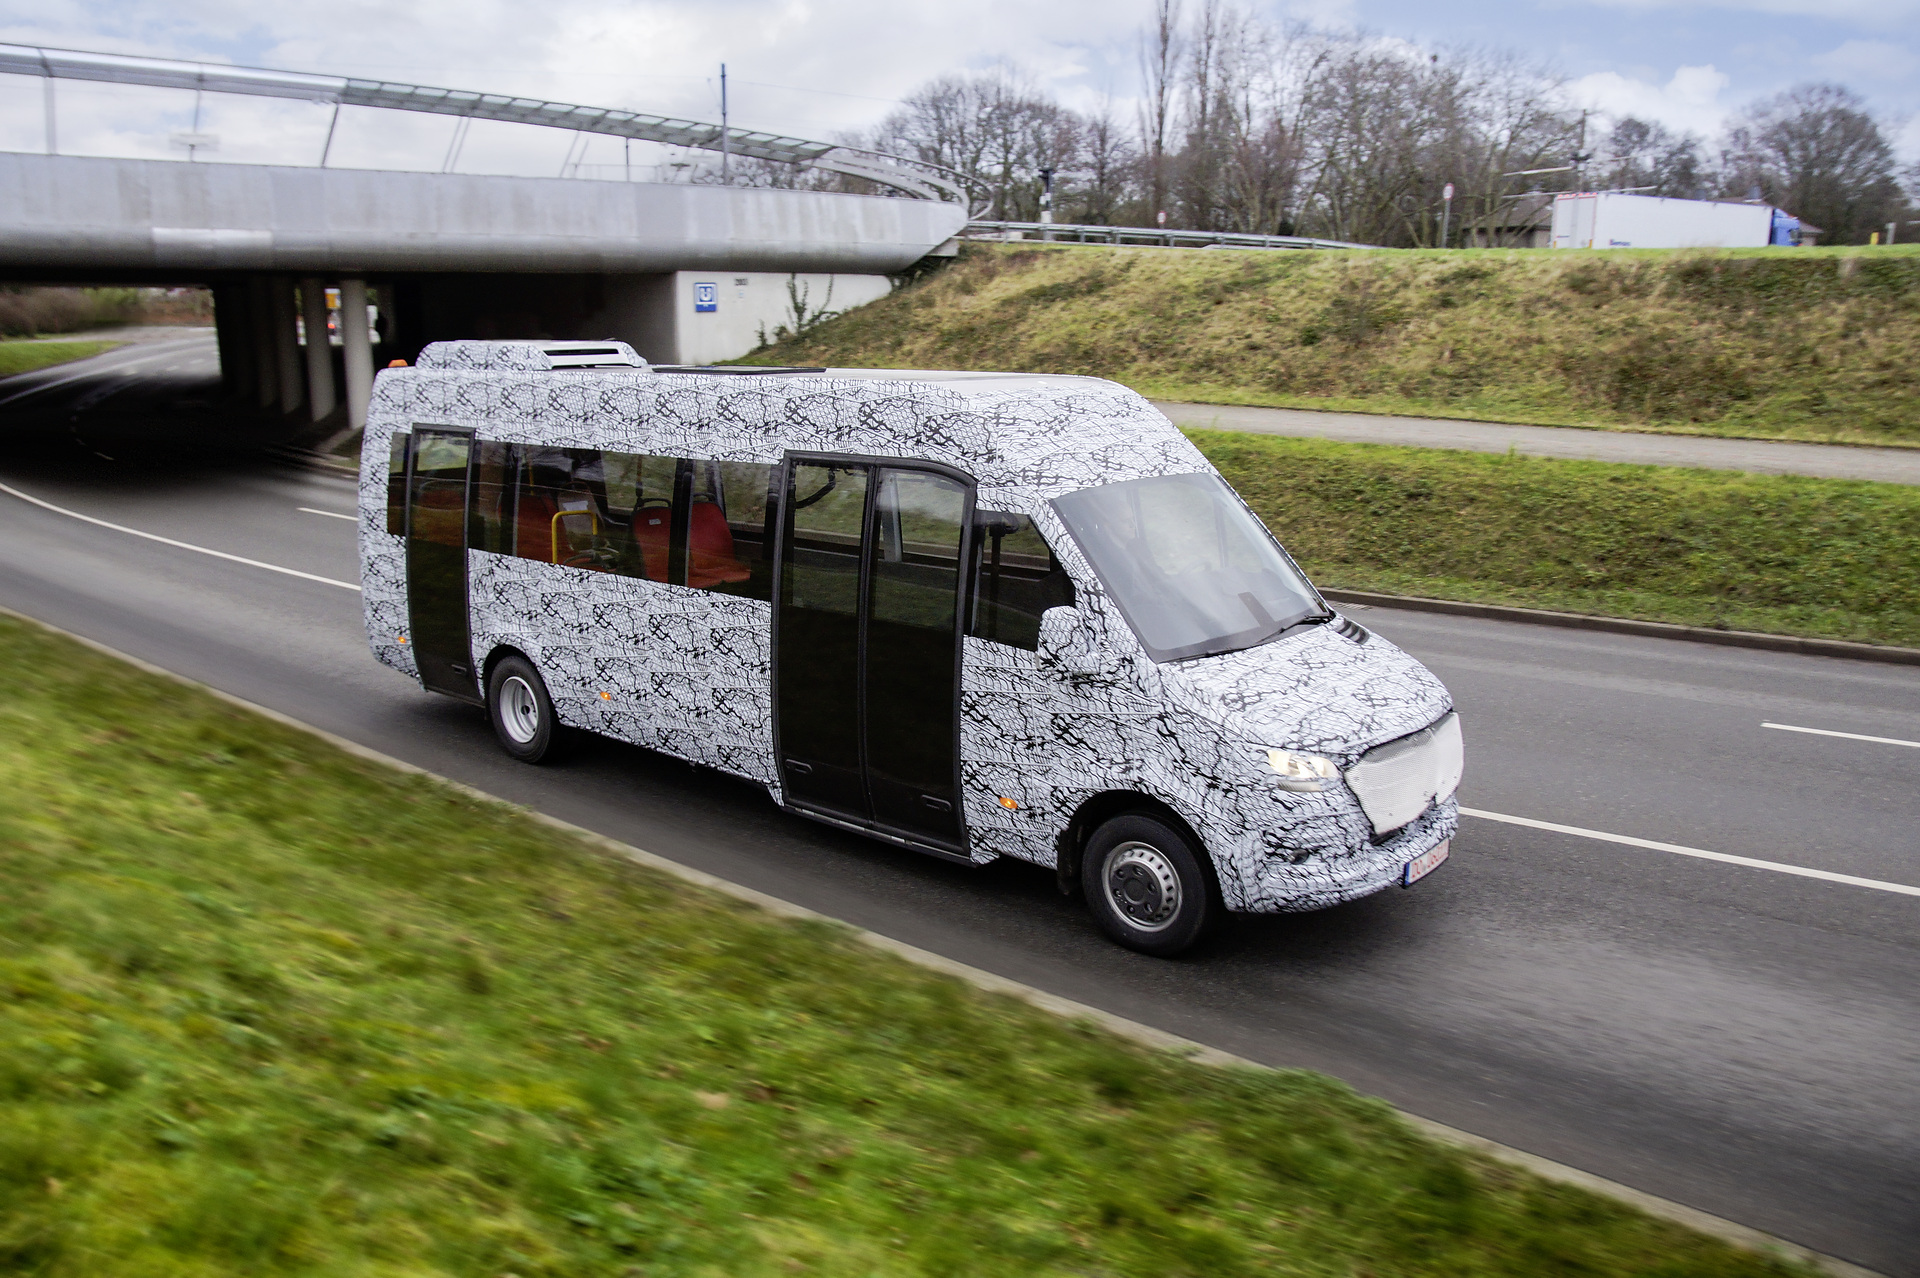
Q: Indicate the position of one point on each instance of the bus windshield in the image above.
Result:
(1190, 567)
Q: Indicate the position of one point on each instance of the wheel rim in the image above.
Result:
(519, 709)
(1143, 886)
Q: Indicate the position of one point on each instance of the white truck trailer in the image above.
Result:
(1609, 219)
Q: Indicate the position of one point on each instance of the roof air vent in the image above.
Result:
(592, 355)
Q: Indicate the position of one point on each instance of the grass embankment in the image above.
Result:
(269, 1009)
(1817, 344)
(25, 356)
(1832, 558)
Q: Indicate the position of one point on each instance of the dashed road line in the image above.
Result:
(1850, 736)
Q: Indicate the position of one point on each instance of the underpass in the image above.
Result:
(1738, 1037)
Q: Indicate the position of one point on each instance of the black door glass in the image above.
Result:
(1018, 579)
(397, 483)
(912, 661)
(437, 560)
(819, 637)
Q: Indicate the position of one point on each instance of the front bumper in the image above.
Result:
(1328, 876)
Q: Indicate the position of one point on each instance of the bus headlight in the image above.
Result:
(1305, 772)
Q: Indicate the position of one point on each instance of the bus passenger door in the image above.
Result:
(867, 658)
(437, 483)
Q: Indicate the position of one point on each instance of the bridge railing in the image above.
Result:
(1074, 233)
(911, 177)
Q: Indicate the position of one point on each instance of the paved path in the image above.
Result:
(1763, 456)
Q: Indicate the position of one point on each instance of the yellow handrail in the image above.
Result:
(592, 531)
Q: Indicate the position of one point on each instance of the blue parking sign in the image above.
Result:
(706, 297)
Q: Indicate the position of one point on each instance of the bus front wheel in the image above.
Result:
(1147, 885)
(522, 712)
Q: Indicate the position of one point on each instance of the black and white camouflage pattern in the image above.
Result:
(688, 672)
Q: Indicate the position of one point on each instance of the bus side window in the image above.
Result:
(727, 545)
(490, 523)
(397, 483)
(1017, 579)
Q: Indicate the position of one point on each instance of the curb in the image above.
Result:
(1728, 1231)
(1626, 626)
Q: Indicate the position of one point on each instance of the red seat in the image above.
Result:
(533, 525)
(710, 557)
(652, 534)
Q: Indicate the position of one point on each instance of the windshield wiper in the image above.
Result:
(1279, 631)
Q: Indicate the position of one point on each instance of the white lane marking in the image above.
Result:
(1850, 736)
(168, 541)
(1776, 866)
(331, 514)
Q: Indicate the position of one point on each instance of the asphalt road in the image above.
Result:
(1739, 1039)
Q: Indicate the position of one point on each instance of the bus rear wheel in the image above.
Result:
(522, 712)
(1147, 885)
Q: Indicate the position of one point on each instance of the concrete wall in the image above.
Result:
(748, 307)
(74, 213)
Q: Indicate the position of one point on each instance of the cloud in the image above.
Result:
(1690, 101)
(798, 67)
(1868, 60)
(1870, 14)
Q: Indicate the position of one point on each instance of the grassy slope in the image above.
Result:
(1790, 555)
(25, 356)
(266, 1009)
(1819, 344)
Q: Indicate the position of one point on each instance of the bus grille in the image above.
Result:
(1398, 781)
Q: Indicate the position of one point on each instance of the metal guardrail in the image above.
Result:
(1073, 233)
(925, 181)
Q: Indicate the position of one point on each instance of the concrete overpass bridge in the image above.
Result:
(686, 273)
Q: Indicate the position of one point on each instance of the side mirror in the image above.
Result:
(1066, 644)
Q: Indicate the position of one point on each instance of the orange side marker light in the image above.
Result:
(1009, 804)
(396, 363)
(606, 696)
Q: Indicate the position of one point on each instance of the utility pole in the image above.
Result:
(726, 153)
(53, 147)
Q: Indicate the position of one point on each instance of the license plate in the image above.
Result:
(1424, 864)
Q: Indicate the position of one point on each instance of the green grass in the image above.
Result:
(269, 1009)
(26, 355)
(1814, 344)
(1785, 554)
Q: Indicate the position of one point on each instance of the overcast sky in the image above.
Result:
(815, 67)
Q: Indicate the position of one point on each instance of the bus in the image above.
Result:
(976, 615)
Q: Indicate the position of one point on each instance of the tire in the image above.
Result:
(522, 712)
(1148, 886)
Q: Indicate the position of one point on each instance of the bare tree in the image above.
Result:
(1096, 194)
(1647, 157)
(1160, 56)
(1817, 152)
(996, 129)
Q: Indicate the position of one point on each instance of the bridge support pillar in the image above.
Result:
(233, 333)
(320, 389)
(357, 349)
(266, 360)
(286, 345)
